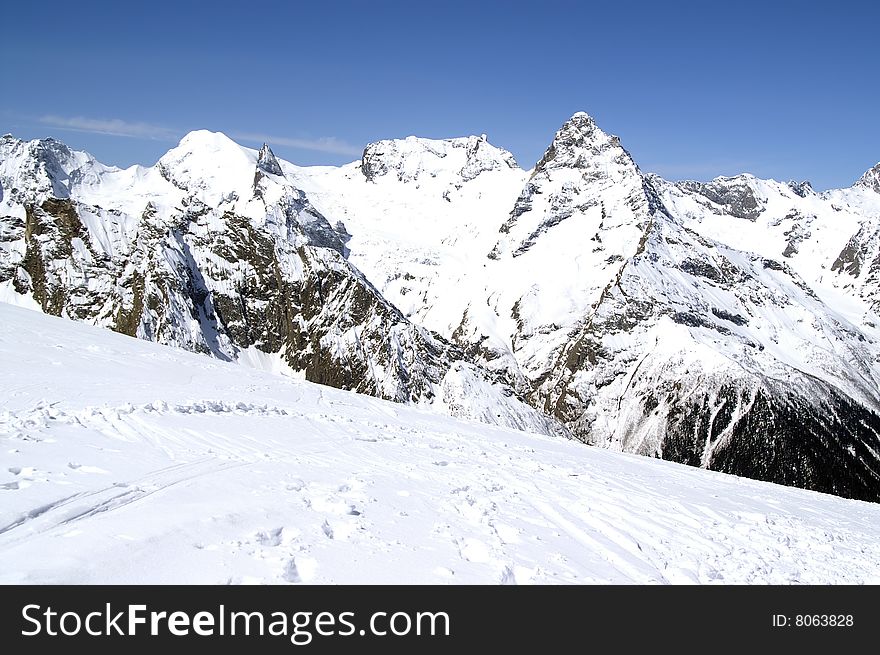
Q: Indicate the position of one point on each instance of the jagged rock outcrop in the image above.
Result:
(870, 180)
(730, 196)
(267, 162)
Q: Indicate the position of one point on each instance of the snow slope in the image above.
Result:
(123, 461)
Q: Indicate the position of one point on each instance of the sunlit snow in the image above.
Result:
(128, 462)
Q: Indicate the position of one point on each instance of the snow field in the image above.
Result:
(126, 462)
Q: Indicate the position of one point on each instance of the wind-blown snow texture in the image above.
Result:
(125, 461)
(731, 325)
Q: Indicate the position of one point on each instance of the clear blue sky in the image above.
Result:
(694, 89)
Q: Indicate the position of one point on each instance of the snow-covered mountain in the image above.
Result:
(128, 462)
(688, 321)
(729, 324)
(213, 250)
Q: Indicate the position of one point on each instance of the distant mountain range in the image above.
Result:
(730, 324)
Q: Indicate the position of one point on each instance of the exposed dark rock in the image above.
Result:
(733, 196)
(871, 179)
(736, 319)
(851, 258)
(771, 434)
(267, 162)
(797, 234)
(373, 162)
(802, 189)
(692, 319)
(701, 268)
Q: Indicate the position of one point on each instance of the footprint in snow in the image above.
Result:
(291, 573)
(270, 537)
(299, 570)
(296, 485)
(507, 576)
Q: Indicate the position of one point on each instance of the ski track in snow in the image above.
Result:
(128, 462)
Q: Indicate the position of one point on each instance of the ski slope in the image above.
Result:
(123, 461)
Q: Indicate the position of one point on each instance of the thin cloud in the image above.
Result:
(138, 130)
(112, 127)
(329, 144)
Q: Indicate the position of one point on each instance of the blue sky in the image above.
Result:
(694, 89)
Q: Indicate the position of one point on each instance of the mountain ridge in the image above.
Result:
(232, 262)
(729, 324)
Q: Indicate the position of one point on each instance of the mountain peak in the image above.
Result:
(210, 163)
(871, 179)
(267, 162)
(577, 142)
(50, 149)
(580, 128)
(205, 140)
(580, 117)
(802, 189)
